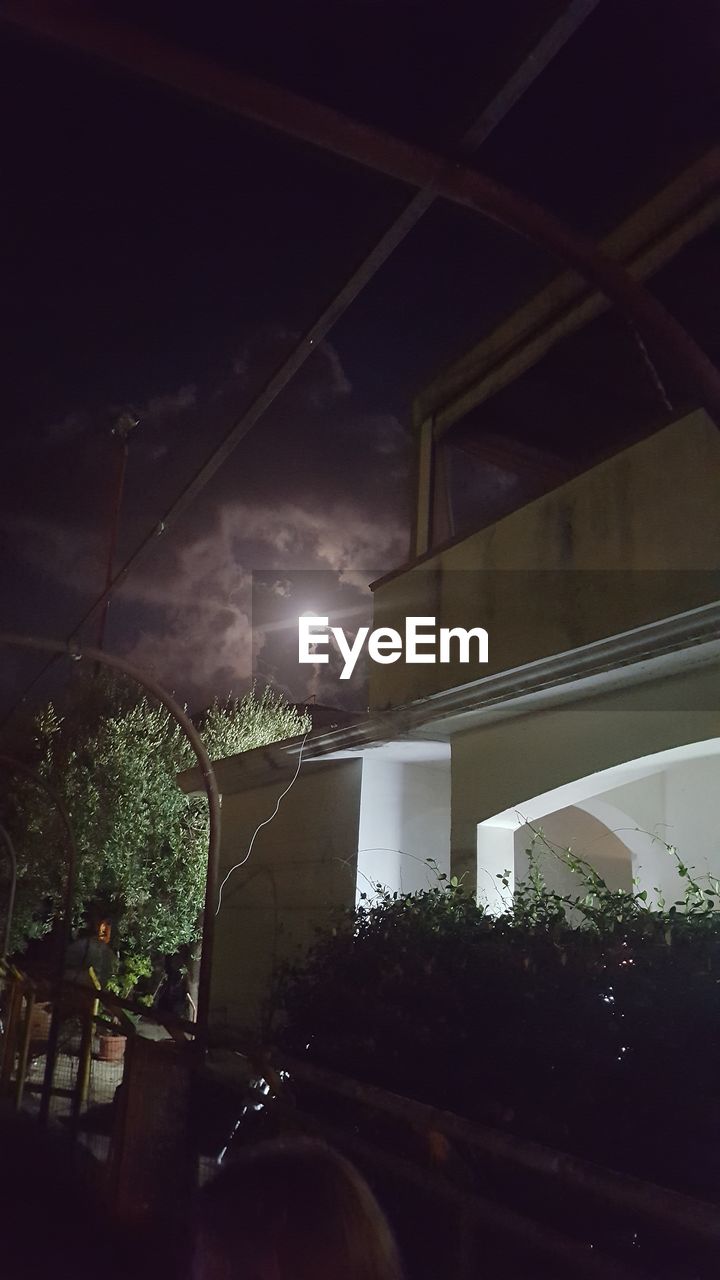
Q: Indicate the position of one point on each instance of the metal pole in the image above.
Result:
(51, 1049)
(182, 718)
(5, 837)
(112, 544)
(11, 1033)
(124, 425)
(82, 1082)
(24, 1049)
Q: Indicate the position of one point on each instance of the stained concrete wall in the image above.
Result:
(653, 508)
(301, 871)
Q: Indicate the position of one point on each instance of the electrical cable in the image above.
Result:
(264, 823)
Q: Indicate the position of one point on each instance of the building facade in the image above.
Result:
(596, 719)
(582, 533)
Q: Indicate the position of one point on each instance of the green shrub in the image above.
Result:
(590, 1021)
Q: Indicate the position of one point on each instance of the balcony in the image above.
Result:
(632, 540)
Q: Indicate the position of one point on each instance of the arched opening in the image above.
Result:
(625, 821)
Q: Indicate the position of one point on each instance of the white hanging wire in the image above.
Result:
(264, 823)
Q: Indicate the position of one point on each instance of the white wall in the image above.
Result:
(637, 813)
(495, 858)
(692, 818)
(503, 846)
(404, 819)
(677, 806)
(574, 828)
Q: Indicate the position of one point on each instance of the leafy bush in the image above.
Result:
(590, 1021)
(132, 970)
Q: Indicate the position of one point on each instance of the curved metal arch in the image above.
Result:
(181, 717)
(194, 75)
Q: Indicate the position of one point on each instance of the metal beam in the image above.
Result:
(644, 242)
(294, 116)
(511, 455)
(424, 485)
(43, 19)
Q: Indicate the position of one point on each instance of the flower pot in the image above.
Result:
(40, 1022)
(111, 1048)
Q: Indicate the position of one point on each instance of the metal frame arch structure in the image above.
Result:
(198, 77)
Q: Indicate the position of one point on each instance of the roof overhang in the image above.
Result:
(679, 644)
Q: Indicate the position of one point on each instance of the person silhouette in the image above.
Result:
(292, 1209)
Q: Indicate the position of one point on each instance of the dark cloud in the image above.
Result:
(319, 486)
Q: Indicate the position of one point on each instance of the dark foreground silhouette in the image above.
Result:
(292, 1210)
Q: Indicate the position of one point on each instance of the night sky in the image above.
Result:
(161, 256)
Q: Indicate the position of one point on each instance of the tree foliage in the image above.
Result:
(142, 843)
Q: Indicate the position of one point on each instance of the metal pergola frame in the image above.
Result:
(297, 117)
(443, 412)
(432, 176)
(131, 51)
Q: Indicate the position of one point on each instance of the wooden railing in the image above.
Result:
(92, 1008)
